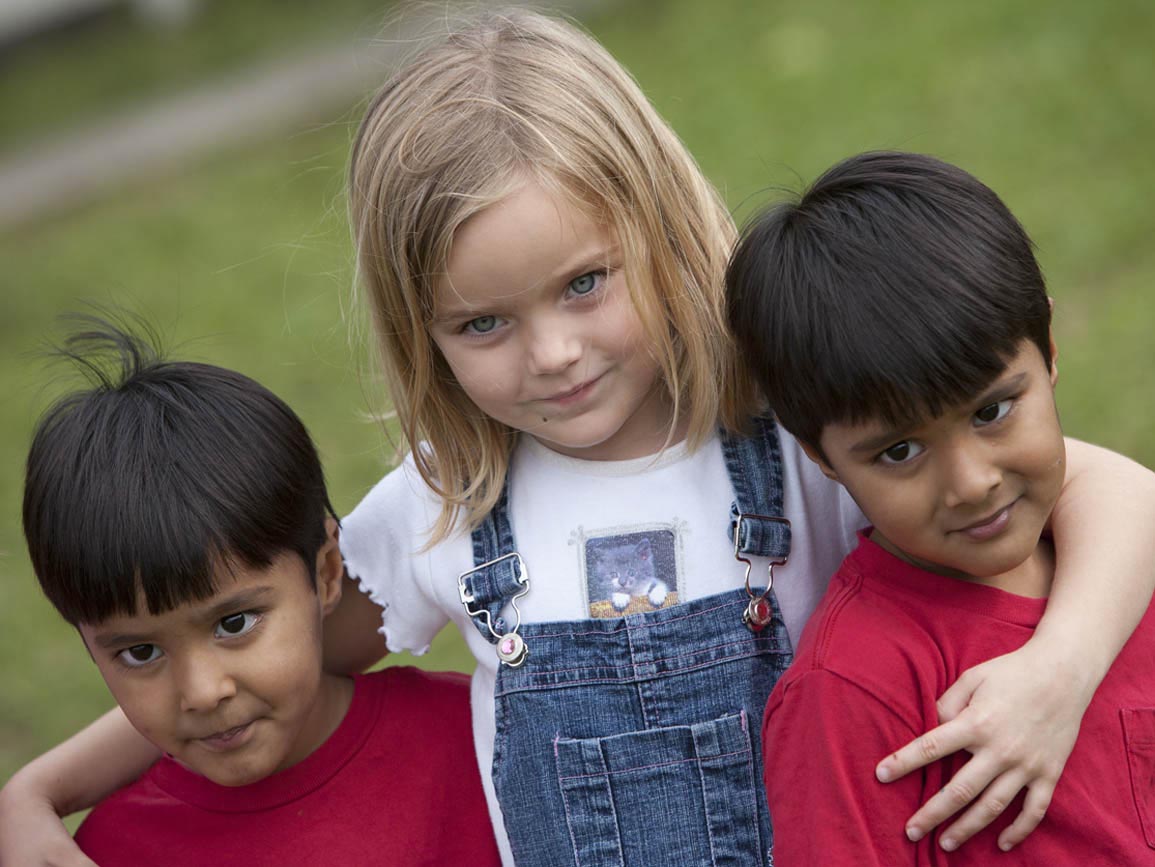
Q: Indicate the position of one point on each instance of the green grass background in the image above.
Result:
(244, 260)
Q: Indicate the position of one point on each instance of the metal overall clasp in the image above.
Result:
(511, 647)
(759, 611)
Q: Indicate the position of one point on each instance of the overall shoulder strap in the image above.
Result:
(755, 467)
(498, 573)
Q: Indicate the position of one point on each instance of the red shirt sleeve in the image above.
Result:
(821, 738)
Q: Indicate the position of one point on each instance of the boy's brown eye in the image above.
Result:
(138, 655)
(901, 452)
(898, 452)
(234, 624)
(993, 412)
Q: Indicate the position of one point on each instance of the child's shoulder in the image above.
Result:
(400, 488)
(875, 639)
(445, 688)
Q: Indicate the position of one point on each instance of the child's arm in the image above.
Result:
(77, 774)
(818, 736)
(353, 641)
(1019, 714)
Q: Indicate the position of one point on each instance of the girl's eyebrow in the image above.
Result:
(595, 256)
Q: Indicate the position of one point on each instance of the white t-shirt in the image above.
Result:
(572, 519)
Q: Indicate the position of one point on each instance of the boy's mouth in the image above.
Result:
(228, 739)
(990, 526)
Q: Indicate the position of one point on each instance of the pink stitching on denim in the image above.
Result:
(655, 661)
(565, 806)
(658, 765)
(528, 675)
(706, 812)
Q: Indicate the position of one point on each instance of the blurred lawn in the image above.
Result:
(106, 64)
(246, 262)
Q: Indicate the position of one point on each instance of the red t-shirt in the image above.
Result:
(887, 639)
(396, 783)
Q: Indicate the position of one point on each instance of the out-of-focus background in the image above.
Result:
(185, 159)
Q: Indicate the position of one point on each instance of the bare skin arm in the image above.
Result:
(78, 773)
(352, 640)
(1019, 714)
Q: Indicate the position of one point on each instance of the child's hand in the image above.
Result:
(32, 835)
(1019, 718)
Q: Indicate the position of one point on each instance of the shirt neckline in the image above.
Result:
(295, 782)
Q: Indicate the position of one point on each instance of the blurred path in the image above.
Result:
(84, 163)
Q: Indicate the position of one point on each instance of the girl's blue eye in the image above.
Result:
(482, 324)
(139, 654)
(236, 624)
(586, 283)
(993, 412)
(901, 453)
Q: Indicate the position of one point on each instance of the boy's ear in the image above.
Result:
(1054, 358)
(330, 568)
(815, 455)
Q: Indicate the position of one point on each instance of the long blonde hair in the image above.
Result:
(515, 94)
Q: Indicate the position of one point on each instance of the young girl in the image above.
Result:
(588, 498)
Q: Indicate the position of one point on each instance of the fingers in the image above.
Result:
(991, 804)
(1034, 809)
(969, 783)
(952, 702)
(936, 744)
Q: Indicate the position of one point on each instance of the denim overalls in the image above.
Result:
(634, 741)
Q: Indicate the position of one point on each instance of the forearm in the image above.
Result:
(352, 638)
(1105, 560)
(87, 767)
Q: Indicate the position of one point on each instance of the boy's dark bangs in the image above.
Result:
(145, 493)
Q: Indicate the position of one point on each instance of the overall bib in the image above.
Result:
(634, 741)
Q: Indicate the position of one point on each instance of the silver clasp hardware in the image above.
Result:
(759, 612)
(511, 647)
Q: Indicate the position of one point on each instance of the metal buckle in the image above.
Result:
(511, 648)
(759, 612)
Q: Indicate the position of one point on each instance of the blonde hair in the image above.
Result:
(516, 94)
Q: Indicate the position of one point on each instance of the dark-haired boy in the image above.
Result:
(176, 514)
(900, 327)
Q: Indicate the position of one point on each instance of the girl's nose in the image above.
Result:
(553, 348)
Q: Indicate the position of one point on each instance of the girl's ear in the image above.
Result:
(815, 454)
(330, 568)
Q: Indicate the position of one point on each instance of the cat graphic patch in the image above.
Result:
(630, 572)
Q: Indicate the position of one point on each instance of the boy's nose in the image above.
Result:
(971, 475)
(204, 683)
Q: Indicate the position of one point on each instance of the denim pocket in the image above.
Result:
(1139, 736)
(705, 811)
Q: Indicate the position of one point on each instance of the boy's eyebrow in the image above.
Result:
(878, 442)
(240, 601)
(996, 392)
